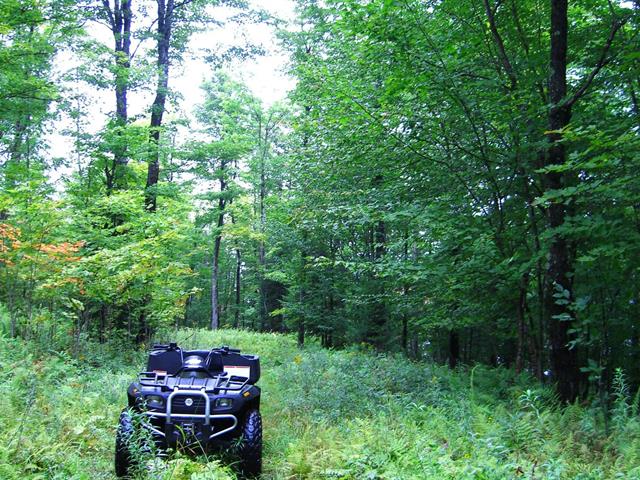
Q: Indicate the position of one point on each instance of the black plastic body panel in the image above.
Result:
(240, 360)
(165, 359)
(170, 359)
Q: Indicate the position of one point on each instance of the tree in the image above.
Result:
(175, 23)
(226, 115)
(559, 285)
(449, 104)
(267, 126)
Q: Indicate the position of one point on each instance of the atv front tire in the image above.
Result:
(251, 445)
(124, 461)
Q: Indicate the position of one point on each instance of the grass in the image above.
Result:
(327, 415)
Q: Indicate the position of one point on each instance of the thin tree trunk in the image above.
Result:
(236, 320)
(378, 334)
(185, 317)
(301, 297)
(454, 348)
(12, 314)
(103, 322)
(405, 291)
(405, 332)
(537, 333)
(301, 329)
(377, 330)
(228, 287)
(263, 221)
(215, 307)
(523, 333)
(301, 321)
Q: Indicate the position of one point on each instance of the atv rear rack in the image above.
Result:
(218, 384)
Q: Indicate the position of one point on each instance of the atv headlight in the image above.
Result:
(154, 401)
(224, 402)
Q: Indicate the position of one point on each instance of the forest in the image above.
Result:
(450, 185)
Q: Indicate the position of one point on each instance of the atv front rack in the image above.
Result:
(221, 383)
(168, 415)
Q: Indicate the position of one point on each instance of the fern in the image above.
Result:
(621, 408)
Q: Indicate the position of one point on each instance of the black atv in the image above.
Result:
(195, 401)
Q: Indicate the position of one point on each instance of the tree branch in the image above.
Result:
(135, 50)
(402, 143)
(502, 53)
(602, 61)
(109, 14)
(182, 4)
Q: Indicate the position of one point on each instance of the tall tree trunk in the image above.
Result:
(165, 24)
(405, 291)
(12, 309)
(224, 306)
(558, 316)
(303, 253)
(301, 297)
(301, 320)
(405, 332)
(378, 329)
(17, 153)
(536, 343)
(301, 327)
(236, 317)
(215, 307)
(215, 264)
(119, 19)
(262, 212)
(523, 333)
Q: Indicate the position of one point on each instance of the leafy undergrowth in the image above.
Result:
(334, 415)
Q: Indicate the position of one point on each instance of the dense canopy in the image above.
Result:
(455, 180)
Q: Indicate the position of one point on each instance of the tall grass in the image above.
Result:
(342, 415)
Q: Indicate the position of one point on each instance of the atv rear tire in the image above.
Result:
(124, 461)
(251, 445)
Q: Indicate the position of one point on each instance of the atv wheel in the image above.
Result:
(124, 461)
(251, 445)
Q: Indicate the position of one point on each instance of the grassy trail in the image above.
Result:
(339, 415)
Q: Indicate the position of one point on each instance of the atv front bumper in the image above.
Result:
(180, 428)
(182, 411)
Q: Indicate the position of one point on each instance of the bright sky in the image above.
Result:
(264, 75)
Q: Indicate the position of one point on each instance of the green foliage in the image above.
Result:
(401, 202)
(419, 203)
(348, 415)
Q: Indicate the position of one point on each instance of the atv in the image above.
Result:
(195, 401)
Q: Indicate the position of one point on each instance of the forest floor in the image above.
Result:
(327, 414)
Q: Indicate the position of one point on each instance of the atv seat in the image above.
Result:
(212, 360)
